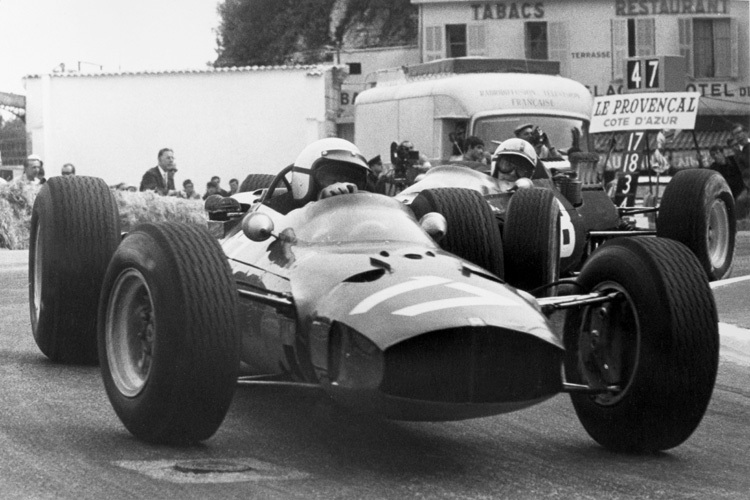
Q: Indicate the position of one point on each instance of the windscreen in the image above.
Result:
(559, 130)
(361, 217)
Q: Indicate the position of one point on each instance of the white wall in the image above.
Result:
(227, 123)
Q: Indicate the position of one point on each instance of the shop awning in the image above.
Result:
(682, 141)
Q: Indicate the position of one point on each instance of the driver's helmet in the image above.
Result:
(324, 162)
(520, 154)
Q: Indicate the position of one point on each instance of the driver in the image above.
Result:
(514, 159)
(328, 167)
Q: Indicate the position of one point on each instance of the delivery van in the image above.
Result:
(437, 104)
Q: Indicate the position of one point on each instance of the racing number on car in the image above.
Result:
(567, 233)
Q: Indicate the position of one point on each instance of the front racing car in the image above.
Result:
(352, 298)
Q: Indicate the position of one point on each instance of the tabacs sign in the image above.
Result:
(671, 110)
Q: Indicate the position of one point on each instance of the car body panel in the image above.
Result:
(360, 264)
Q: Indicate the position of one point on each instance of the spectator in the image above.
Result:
(742, 147)
(538, 139)
(473, 149)
(659, 161)
(161, 177)
(68, 169)
(32, 166)
(217, 180)
(423, 164)
(234, 186)
(188, 191)
(378, 176)
(211, 189)
(742, 157)
(727, 167)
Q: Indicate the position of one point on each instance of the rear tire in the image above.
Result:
(698, 210)
(253, 182)
(659, 344)
(168, 335)
(531, 239)
(472, 231)
(74, 232)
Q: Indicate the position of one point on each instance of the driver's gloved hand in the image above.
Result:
(336, 189)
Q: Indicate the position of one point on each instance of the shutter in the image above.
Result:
(685, 30)
(477, 41)
(433, 43)
(734, 34)
(645, 37)
(619, 47)
(558, 48)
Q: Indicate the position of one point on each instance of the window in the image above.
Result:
(433, 43)
(477, 40)
(456, 43)
(713, 48)
(536, 40)
(355, 68)
(631, 38)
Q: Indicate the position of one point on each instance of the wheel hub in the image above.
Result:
(130, 333)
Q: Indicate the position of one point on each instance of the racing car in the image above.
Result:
(545, 226)
(352, 297)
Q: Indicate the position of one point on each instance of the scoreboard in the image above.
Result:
(655, 74)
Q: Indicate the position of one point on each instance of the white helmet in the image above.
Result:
(336, 156)
(518, 148)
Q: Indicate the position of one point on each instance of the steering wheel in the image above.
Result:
(280, 177)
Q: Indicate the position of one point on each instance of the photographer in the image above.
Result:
(537, 138)
(407, 162)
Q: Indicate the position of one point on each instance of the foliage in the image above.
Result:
(269, 32)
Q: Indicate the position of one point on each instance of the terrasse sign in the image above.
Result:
(667, 110)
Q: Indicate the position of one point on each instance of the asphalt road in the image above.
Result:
(61, 439)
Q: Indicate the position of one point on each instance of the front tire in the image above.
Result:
(659, 343)
(473, 233)
(698, 210)
(168, 336)
(74, 232)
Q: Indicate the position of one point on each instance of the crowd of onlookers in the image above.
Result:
(732, 162)
(160, 179)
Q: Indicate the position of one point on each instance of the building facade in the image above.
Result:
(592, 38)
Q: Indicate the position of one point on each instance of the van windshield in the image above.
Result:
(558, 129)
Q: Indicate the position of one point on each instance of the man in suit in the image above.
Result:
(161, 177)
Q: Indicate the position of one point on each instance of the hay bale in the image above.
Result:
(17, 202)
(147, 206)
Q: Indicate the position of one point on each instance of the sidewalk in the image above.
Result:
(13, 258)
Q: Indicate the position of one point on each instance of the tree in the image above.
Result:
(268, 32)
